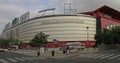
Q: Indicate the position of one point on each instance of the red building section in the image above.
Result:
(108, 23)
(106, 17)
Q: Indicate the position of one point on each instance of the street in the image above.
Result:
(77, 60)
(8, 57)
(101, 57)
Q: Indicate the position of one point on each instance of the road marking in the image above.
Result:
(24, 58)
(19, 59)
(3, 61)
(27, 58)
(31, 58)
(100, 56)
(118, 59)
(114, 56)
(94, 55)
(106, 56)
(11, 60)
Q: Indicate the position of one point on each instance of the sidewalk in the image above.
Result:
(42, 55)
(57, 54)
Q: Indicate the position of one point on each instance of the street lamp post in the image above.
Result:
(87, 34)
(87, 38)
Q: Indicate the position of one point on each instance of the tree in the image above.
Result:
(39, 39)
(116, 34)
(17, 42)
(108, 36)
(10, 42)
(99, 37)
(5, 42)
(1, 42)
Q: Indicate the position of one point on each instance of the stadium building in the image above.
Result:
(66, 29)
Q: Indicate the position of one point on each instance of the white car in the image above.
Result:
(1, 50)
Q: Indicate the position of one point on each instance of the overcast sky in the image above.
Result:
(9, 9)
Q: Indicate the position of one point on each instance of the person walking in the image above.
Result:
(67, 49)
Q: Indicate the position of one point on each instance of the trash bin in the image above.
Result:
(53, 53)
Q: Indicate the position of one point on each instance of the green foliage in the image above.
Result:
(109, 36)
(99, 37)
(8, 42)
(17, 42)
(39, 39)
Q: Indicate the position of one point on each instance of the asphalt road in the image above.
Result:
(77, 60)
(8, 57)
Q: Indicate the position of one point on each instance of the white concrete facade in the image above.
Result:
(61, 27)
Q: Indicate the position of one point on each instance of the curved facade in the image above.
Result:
(60, 27)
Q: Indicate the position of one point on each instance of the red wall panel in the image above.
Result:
(107, 22)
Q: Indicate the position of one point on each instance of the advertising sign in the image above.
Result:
(24, 17)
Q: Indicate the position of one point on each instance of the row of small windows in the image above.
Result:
(53, 30)
(62, 21)
(40, 28)
(22, 33)
(60, 34)
(56, 27)
(58, 21)
(38, 24)
(64, 39)
(30, 37)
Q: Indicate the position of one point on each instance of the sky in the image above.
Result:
(9, 9)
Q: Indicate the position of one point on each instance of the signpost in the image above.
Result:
(55, 41)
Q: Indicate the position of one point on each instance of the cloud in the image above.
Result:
(8, 13)
(86, 5)
(14, 8)
(2, 24)
(9, 9)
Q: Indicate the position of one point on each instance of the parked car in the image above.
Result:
(1, 50)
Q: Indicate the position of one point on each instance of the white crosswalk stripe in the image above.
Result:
(103, 56)
(30, 58)
(107, 56)
(100, 55)
(3, 61)
(118, 59)
(17, 59)
(94, 55)
(26, 58)
(11, 59)
(114, 56)
(20, 59)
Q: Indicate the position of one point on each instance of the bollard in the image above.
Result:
(64, 51)
(38, 54)
(53, 53)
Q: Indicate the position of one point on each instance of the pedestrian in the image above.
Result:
(67, 49)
